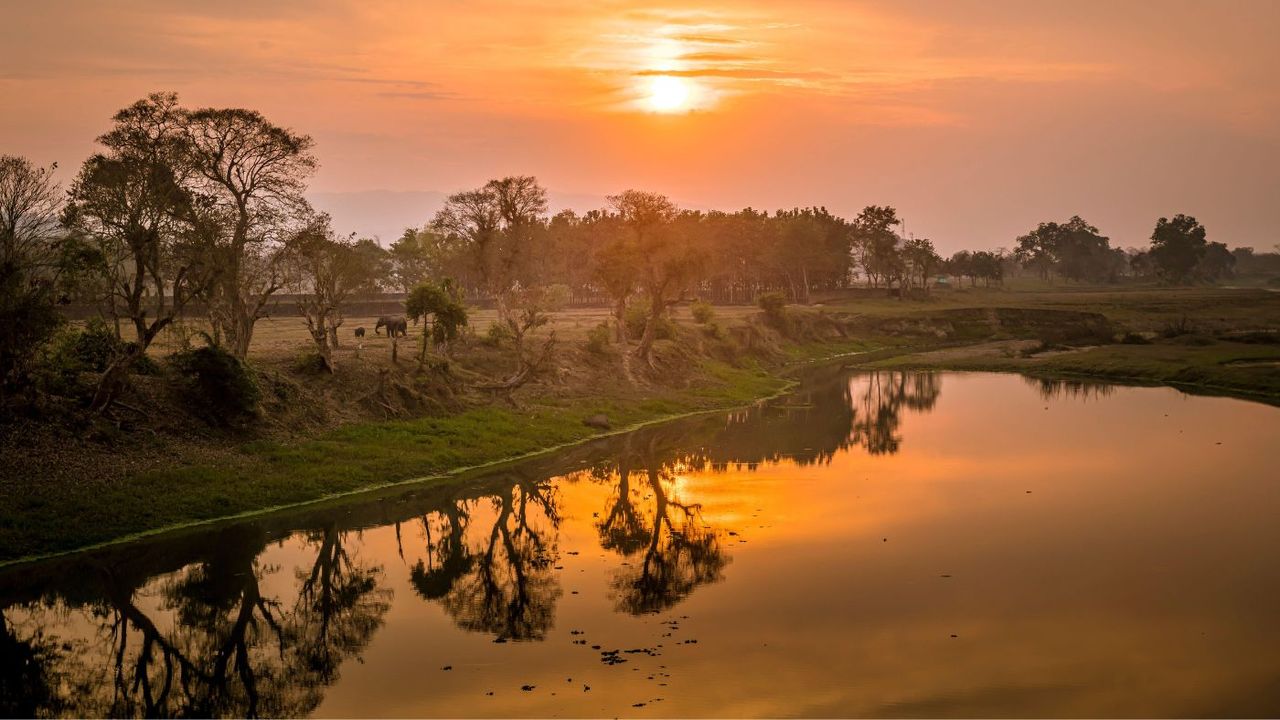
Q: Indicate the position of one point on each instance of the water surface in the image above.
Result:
(878, 544)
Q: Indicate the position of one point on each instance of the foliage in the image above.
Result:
(637, 317)
(31, 265)
(1074, 249)
(439, 307)
(1177, 246)
(94, 347)
(498, 334)
(702, 312)
(310, 362)
(326, 270)
(773, 304)
(219, 387)
(599, 338)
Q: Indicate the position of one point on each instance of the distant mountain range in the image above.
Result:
(384, 214)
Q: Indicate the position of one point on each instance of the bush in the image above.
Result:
(221, 388)
(1175, 328)
(28, 318)
(702, 312)
(309, 362)
(1133, 338)
(599, 338)
(774, 304)
(499, 334)
(95, 347)
(637, 315)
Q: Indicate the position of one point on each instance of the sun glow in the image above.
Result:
(669, 94)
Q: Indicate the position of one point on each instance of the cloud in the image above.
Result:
(706, 39)
(715, 57)
(739, 74)
(420, 94)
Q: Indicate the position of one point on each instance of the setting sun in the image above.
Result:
(669, 94)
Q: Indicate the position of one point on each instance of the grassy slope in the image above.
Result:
(1216, 366)
(56, 517)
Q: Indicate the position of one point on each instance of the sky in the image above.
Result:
(977, 120)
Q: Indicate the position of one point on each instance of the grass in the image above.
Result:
(60, 517)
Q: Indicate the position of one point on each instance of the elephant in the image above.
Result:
(396, 325)
(359, 332)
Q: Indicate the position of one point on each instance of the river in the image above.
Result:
(883, 544)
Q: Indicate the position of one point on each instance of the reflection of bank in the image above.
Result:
(231, 650)
(834, 412)
(183, 624)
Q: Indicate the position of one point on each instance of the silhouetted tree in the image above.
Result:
(131, 203)
(1177, 246)
(254, 173)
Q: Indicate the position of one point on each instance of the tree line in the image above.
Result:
(183, 208)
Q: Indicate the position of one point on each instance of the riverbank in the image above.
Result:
(87, 509)
(319, 437)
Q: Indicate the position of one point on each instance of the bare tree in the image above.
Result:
(325, 271)
(30, 251)
(496, 224)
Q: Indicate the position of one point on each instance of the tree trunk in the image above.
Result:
(620, 321)
(656, 307)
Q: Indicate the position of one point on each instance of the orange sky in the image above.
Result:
(976, 119)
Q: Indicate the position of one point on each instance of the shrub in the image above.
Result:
(1133, 338)
(702, 312)
(774, 304)
(28, 319)
(309, 362)
(599, 338)
(637, 315)
(221, 388)
(498, 335)
(94, 347)
(1174, 328)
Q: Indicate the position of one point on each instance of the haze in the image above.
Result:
(976, 119)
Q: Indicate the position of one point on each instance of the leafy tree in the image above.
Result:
(441, 309)
(130, 204)
(921, 259)
(877, 243)
(667, 261)
(988, 266)
(1177, 246)
(254, 174)
(1218, 262)
(1038, 249)
(423, 254)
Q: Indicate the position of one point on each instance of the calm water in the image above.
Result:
(887, 544)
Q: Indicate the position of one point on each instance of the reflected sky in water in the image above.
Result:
(877, 544)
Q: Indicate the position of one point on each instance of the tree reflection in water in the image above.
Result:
(878, 400)
(506, 585)
(1072, 389)
(229, 649)
(230, 634)
(672, 550)
(832, 415)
